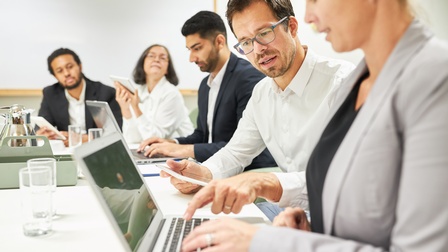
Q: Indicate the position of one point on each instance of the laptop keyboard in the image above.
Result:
(179, 228)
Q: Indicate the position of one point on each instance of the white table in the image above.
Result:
(81, 224)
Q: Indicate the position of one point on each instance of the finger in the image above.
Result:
(206, 227)
(201, 198)
(279, 219)
(242, 197)
(143, 144)
(190, 188)
(178, 166)
(208, 242)
(220, 195)
(290, 222)
(229, 204)
(163, 174)
(238, 205)
(183, 186)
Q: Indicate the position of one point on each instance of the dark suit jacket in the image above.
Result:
(54, 106)
(236, 89)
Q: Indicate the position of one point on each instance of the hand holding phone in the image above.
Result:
(125, 82)
(42, 122)
(168, 170)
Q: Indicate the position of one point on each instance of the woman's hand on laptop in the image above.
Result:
(189, 169)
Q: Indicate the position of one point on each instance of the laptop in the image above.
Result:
(125, 199)
(105, 119)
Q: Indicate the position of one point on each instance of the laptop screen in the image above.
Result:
(123, 190)
(103, 116)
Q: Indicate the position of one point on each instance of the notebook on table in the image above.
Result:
(105, 119)
(126, 200)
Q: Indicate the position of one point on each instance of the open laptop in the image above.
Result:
(105, 119)
(125, 199)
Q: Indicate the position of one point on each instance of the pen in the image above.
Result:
(151, 175)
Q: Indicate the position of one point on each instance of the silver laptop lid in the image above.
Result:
(121, 191)
(103, 116)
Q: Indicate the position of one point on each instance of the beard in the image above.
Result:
(274, 72)
(77, 84)
(212, 61)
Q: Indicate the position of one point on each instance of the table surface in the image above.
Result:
(80, 224)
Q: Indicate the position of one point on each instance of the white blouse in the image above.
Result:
(164, 114)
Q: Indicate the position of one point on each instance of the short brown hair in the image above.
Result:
(280, 8)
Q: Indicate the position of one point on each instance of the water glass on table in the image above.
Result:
(36, 200)
(95, 133)
(50, 163)
(74, 136)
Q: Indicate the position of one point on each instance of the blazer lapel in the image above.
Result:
(383, 88)
(90, 95)
(62, 105)
(225, 81)
(203, 105)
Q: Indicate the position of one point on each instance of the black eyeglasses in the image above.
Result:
(265, 37)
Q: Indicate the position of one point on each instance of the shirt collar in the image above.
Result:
(82, 97)
(218, 78)
(301, 79)
(143, 92)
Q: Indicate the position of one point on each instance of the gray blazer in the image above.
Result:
(386, 187)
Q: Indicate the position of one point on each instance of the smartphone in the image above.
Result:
(199, 181)
(125, 82)
(42, 122)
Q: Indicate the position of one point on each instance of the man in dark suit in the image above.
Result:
(222, 96)
(63, 103)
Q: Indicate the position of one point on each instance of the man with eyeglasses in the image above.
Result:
(222, 95)
(286, 113)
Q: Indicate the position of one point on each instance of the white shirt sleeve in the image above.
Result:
(245, 144)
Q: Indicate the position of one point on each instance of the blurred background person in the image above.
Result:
(157, 108)
(63, 103)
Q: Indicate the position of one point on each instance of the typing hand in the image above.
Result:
(293, 218)
(170, 150)
(152, 140)
(220, 235)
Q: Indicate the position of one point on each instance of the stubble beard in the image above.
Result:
(272, 72)
(77, 84)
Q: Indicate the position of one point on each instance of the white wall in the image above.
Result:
(432, 12)
(109, 35)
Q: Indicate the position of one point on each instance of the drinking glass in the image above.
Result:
(74, 136)
(95, 133)
(36, 200)
(50, 163)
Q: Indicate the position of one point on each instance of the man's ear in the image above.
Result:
(293, 26)
(220, 41)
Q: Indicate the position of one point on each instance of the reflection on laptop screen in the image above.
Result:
(103, 116)
(123, 190)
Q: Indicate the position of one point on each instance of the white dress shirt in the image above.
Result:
(215, 85)
(164, 114)
(288, 123)
(77, 108)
